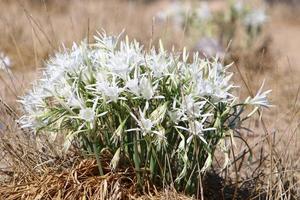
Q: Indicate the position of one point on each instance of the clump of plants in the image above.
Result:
(164, 112)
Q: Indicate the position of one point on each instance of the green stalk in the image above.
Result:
(98, 159)
(87, 144)
(152, 165)
(137, 162)
(147, 159)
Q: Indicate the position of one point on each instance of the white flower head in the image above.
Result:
(145, 124)
(177, 12)
(87, 114)
(146, 89)
(209, 47)
(175, 115)
(196, 128)
(191, 107)
(255, 18)
(109, 89)
(119, 66)
(74, 101)
(106, 42)
(260, 99)
(133, 86)
(5, 62)
(203, 11)
(238, 5)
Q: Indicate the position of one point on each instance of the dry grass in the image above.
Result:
(81, 181)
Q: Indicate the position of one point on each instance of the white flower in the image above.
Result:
(203, 12)
(145, 124)
(30, 122)
(87, 114)
(209, 47)
(4, 61)
(142, 87)
(74, 101)
(260, 99)
(119, 66)
(255, 18)
(177, 12)
(146, 89)
(175, 116)
(158, 63)
(214, 83)
(107, 42)
(191, 107)
(204, 88)
(133, 86)
(125, 59)
(196, 128)
(33, 103)
(238, 6)
(111, 90)
(176, 113)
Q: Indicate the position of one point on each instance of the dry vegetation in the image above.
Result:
(33, 168)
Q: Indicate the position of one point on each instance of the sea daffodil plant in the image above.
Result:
(166, 112)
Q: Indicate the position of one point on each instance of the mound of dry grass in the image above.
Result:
(80, 182)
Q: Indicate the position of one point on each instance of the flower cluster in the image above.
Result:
(181, 14)
(202, 22)
(165, 111)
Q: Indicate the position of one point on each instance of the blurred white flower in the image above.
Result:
(145, 124)
(255, 18)
(177, 12)
(203, 12)
(119, 66)
(209, 47)
(238, 5)
(5, 62)
(175, 113)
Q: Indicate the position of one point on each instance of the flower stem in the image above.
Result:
(98, 159)
(137, 162)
